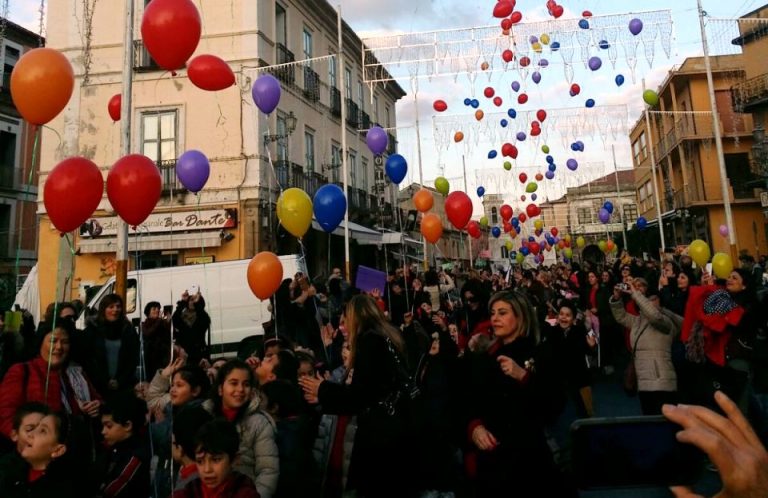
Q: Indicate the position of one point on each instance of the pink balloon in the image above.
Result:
(724, 230)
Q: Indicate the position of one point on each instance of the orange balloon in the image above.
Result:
(484, 66)
(431, 227)
(265, 272)
(41, 84)
(479, 114)
(458, 137)
(423, 200)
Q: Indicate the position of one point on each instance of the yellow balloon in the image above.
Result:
(519, 257)
(580, 242)
(508, 245)
(722, 265)
(601, 245)
(484, 221)
(294, 210)
(538, 224)
(536, 47)
(699, 252)
(544, 39)
(567, 238)
(568, 252)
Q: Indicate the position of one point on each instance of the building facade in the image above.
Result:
(687, 178)
(253, 157)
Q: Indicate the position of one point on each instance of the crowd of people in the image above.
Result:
(444, 383)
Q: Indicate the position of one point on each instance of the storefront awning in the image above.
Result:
(163, 242)
(363, 235)
(666, 216)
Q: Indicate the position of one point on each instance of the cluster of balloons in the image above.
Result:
(505, 10)
(722, 264)
(605, 212)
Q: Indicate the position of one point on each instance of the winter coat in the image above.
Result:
(193, 338)
(294, 439)
(238, 486)
(570, 349)
(95, 356)
(326, 435)
(158, 393)
(127, 473)
(54, 483)
(381, 462)
(25, 382)
(716, 327)
(437, 291)
(259, 458)
(157, 344)
(653, 331)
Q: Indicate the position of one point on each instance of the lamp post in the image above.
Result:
(281, 139)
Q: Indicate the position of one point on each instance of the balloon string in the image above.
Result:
(55, 315)
(402, 248)
(205, 271)
(20, 229)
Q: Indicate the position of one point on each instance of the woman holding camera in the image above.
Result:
(191, 323)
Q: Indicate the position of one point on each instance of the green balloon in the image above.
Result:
(507, 165)
(442, 186)
(651, 98)
(601, 245)
(545, 149)
(568, 252)
(484, 221)
(532, 187)
(519, 257)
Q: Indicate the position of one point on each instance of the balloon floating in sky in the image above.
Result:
(377, 140)
(442, 185)
(512, 113)
(507, 165)
(575, 90)
(396, 168)
(595, 63)
(508, 55)
(651, 98)
(572, 164)
(604, 215)
(584, 24)
(516, 86)
(440, 105)
(504, 123)
(635, 26)
(545, 149)
(619, 79)
(458, 137)
(480, 191)
(604, 44)
(475, 103)
(521, 136)
(590, 103)
(555, 46)
(492, 154)
(536, 77)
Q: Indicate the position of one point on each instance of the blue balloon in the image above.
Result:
(496, 232)
(512, 113)
(584, 24)
(604, 44)
(536, 77)
(590, 103)
(534, 197)
(524, 251)
(552, 167)
(575, 147)
(608, 206)
(492, 154)
(550, 160)
(641, 223)
(619, 80)
(517, 228)
(329, 206)
(515, 222)
(531, 238)
(580, 144)
(396, 168)
(467, 101)
(475, 103)
(550, 174)
(521, 135)
(504, 123)
(555, 46)
(480, 191)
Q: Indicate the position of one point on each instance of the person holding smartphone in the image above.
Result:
(191, 323)
(156, 330)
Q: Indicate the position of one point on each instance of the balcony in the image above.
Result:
(311, 84)
(8, 177)
(312, 182)
(170, 181)
(365, 120)
(691, 127)
(335, 101)
(142, 61)
(353, 117)
(750, 93)
(291, 175)
(286, 74)
(392, 147)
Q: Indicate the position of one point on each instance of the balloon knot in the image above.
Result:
(173, 73)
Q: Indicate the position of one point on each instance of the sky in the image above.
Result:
(377, 18)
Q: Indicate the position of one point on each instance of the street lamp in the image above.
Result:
(282, 139)
(290, 127)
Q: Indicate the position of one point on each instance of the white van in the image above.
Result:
(235, 312)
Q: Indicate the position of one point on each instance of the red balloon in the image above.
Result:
(575, 89)
(550, 4)
(506, 24)
(506, 149)
(534, 124)
(516, 17)
(532, 210)
(497, 101)
(541, 114)
(507, 227)
(522, 217)
(561, 244)
(557, 11)
(513, 152)
(539, 177)
(502, 9)
(534, 247)
(586, 13)
(553, 231)
(524, 61)
(522, 98)
(506, 212)
(134, 187)
(489, 92)
(440, 105)
(508, 55)
(473, 229)
(209, 72)
(114, 106)
(458, 208)
(535, 131)
(567, 243)
(171, 30)
(72, 193)
(523, 177)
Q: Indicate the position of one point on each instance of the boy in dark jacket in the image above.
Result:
(217, 443)
(123, 423)
(37, 471)
(183, 445)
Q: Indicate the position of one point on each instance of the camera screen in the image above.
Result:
(632, 453)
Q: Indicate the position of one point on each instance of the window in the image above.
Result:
(307, 43)
(494, 216)
(282, 145)
(584, 215)
(348, 83)
(158, 135)
(630, 213)
(11, 54)
(364, 175)
(360, 96)
(281, 25)
(9, 151)
(375, 109)
(386, 117)
(504, 252)
(352, 167)
(335, 162)
(639, 149)
(309, 149)
(332, 70)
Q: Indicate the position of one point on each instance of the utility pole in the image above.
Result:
(469, 239)
(121, 257)
(653, 173)
(418, 148)
(618, 198)
(344, 152)
(724, 182)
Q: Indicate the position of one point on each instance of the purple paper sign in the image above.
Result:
(369, 279)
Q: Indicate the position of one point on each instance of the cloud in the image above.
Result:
(26, 13)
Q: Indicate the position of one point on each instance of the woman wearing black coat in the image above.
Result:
(191, 323)
(511, 395)
(382, 457)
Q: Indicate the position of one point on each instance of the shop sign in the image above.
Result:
(182, 221)
(199, 260)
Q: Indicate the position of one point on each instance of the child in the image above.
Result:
(123, 423)
(217, 443)
(185, 424)
(25, 421)
(37, 471)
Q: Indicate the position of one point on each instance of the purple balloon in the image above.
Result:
(516, 86)
(550, 175)
(635, 26)
(572, 164)
(193, 170)
(266, 93)
(533, 197)
(536, 77)
(533, 39)
(543, 63)
(595, 63)
(521, 135)
(604, 215)
(377, 140)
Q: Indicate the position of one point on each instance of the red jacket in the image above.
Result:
(715, 326)
(15, 390)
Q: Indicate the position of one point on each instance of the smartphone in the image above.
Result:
(632, 452)
(193, 289)
(708, 267)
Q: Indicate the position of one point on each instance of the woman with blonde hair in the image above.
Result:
(513, 394)
(379, 394)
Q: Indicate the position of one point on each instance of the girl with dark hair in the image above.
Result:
(234, 397)
(111, 348)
